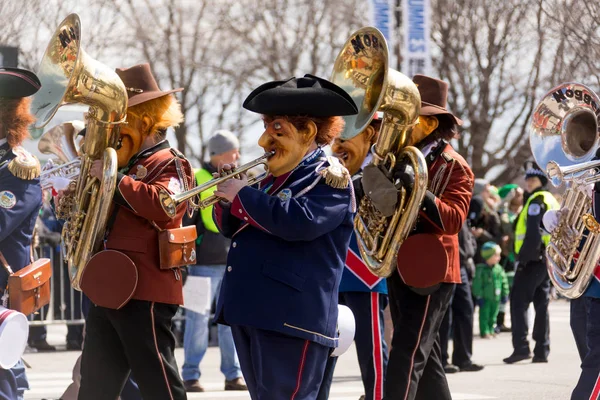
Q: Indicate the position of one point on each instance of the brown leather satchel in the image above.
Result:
(29, 288)
(177, 247)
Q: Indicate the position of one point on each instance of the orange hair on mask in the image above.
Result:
(15, 119)
(328, 128)
(161, 113)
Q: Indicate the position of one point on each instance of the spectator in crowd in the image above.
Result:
(511, 196)
(458, 320)
(211, 252)
(483, 216)
(490, 288)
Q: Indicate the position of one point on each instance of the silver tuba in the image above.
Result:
(564, 137)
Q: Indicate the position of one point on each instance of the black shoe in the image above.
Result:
(471, 367)
(537, 360)
(74, 345)
(504, 328)
(42, 345)
(514, 357)
(451, 369)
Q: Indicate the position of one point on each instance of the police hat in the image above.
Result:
(310, 96)
(16, 83)
(532, 169)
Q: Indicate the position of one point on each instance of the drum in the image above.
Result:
(346, 329)
(14, 330)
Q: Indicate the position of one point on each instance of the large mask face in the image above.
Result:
(290, 144)
(352, 153)
(132, 137)
(427, 124)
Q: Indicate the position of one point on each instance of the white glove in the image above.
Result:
(550, 220)
(59, 183)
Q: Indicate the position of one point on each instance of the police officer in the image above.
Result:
(362, 291)
(290, 238)
(531, 282)
(20, 194)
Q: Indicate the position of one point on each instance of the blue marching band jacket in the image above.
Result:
(289, 242)
(20, 203)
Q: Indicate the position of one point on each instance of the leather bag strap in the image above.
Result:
(5, 264)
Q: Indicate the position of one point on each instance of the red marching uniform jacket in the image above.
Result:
(445, 208)
(133, 233)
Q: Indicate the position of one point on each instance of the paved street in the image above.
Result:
(51, 372)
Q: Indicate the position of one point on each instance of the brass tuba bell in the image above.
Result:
(68, 75)
(60, 141)
(564, 138)
(361, 69)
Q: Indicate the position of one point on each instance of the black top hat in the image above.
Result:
(16, 83)
(310, 95)
(141, 85)
(532, 169)
(434, 94)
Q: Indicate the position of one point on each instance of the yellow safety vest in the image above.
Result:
(203, 176)
(521, 228)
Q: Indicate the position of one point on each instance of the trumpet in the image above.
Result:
(170, 202)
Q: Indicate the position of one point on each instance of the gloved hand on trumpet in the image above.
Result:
(228, 189)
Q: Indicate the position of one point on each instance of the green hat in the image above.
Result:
(489, 249)
(506, 189)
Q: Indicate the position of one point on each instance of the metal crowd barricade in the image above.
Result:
(65, 302)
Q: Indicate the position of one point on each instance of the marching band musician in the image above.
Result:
(20, 195)
(531, 282)
(137, 337)
(289, 241)
(414, 368)
(362, 291)
(585, 315)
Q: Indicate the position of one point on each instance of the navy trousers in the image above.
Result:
(371, 348)
(415, 368)
(585, 324)
(459, 321)
(531, 284)
(278, 366)
(13, 382)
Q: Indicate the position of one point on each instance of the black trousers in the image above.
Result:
(531, 284)
(136, 339)
(415, 368)
(459, 321)
(585, 324)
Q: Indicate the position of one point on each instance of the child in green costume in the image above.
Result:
(490, 288)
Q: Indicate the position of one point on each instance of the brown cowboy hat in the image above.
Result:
(141, 85)
(434, 94)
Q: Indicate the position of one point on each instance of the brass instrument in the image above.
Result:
(361, 69)
(564, 137)
(60, 141)
(170, 202)
(68, 75)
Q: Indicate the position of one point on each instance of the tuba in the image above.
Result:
(68, 75)
(60, 141)
(361, 68)
(564, 137)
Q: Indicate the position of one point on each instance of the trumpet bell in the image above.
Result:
(60, 141)
(564, 127)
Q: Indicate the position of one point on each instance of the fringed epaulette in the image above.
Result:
(336, 175)
(25, 165)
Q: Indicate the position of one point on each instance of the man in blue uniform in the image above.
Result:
(20, 194)
(290, 237)
(585, 318)
(531, 282)
(362, 291)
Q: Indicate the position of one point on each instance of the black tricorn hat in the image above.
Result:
(310, 95)
(16, 83)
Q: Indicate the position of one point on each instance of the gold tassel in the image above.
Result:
(336, 175)
(25, 166)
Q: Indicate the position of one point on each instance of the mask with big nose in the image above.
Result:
(289, 143)
(132, 136)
